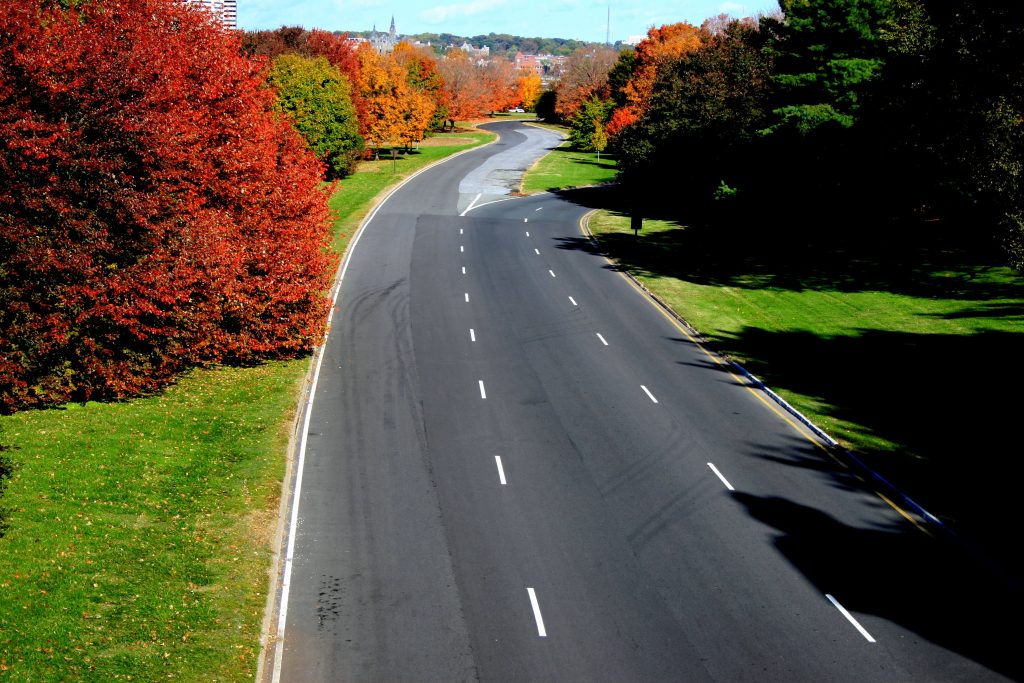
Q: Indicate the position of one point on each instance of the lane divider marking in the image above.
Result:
(472, 335)
(463, 270)
(849, 617)
(648, 392)
(573, 301)
(536, 613)
(483, 393)
(552, 273)
(602, 339)
(536, 251)
(467, 297)
(501, 470)
(719, 475)
(462, 249)
(527, 233)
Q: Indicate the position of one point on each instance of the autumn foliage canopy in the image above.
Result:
(154, 212)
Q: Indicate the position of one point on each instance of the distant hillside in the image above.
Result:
(501, 44)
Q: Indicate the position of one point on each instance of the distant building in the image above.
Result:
(480, 55)
(531, 62)
(225, 10)
(384, 43)
(633, 40)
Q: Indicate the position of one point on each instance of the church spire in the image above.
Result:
(392, 25)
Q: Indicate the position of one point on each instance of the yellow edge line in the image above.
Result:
(584, 230)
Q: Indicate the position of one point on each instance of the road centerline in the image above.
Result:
(483, 392)
(603, 340)
(719, 475)
(648, 392)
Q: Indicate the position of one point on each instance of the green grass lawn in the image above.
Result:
(901, 352)
(564, 168)
(139, 534)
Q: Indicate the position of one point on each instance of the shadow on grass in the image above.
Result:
(947, 400)
(923, 584)
(920, 259)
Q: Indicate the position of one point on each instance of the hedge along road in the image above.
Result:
(517, 469)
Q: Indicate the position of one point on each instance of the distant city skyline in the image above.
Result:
(577, 19)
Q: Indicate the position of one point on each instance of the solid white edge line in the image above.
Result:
(296, 493)
(573, 301)
(536, 613)
(472, 335)
(849, 617)
(648, 392)
(483, 393)
(719, 475)
(501, 470)
(601, 338)
(552, 273)
(475, 200)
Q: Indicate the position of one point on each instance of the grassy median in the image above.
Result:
(564, 168)
(139, 533)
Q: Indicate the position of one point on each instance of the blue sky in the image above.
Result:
(580, 19)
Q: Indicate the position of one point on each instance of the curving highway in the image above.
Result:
(519, 469)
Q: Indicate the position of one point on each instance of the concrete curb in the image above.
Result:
(906, 500)
(272, 608)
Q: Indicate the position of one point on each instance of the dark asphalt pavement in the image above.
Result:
(508, 437)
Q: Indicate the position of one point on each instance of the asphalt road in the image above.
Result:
(518, 469)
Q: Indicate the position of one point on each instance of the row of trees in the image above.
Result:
(863, 112)
(343, 95)
(155, 212)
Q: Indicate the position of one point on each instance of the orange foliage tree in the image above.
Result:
(528, 87)
(664, 44)
(466, 90)
(425, 79)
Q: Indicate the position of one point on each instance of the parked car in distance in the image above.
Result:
(517, 110)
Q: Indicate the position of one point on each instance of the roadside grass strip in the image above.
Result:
(140, 533)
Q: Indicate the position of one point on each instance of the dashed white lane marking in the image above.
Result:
(849, 617)
(536, 613)
(648, 392)
(460, 231)
(527, 233)
(536, 251)
(472, 335)
(538, 209)
(526, 220)
(501, 470)
(602, 339)
(483, 393)
(472, 203)
(467, 297)
(552, 273)
(573, 301)
(462, 248)
(719, 475)
(463, 270)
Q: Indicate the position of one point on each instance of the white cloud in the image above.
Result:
(441, 13)
(732, 8)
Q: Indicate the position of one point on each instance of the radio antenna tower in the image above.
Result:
(608, 28)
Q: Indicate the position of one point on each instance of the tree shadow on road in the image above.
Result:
(923, 584)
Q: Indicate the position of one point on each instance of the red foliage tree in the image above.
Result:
(155, 214)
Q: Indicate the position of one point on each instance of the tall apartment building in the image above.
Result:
(225, 10)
